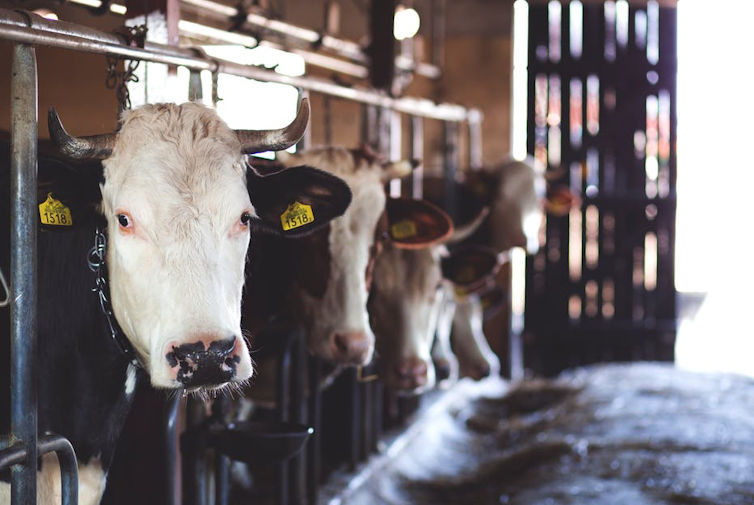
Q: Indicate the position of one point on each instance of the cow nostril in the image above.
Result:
(222, 347)
(341, 344)
(483, 371)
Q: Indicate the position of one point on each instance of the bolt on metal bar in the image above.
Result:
(23, 275)
(71, 36)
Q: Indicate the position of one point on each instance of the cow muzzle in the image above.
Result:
(409, 375)
(351, 348)
(206, 362)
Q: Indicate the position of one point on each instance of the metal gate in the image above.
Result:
(602, 119)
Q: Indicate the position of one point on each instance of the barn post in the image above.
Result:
(23, 275)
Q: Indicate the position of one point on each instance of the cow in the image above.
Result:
(409, 290)
(148, 279)
(323, 282)
(512, 193)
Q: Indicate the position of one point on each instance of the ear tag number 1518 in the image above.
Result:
(297, 214)
(54, 212)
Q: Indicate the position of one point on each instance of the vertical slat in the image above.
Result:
(23, 275)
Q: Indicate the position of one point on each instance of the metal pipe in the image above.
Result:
(23, 274)
(69, 470)
(286, 31)
(475, 140)
(74, 39)
(417, 153)
(171, 448)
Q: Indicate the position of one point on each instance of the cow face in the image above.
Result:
(180, 213)
(330, 294)
(407, 293)
(413, 295)
(517, 206)
(403, 309)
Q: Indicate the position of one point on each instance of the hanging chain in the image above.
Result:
(135, 36)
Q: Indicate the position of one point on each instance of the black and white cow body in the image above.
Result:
(177, 206)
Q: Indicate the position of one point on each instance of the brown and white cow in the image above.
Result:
(170, 211)
(409, 292)
(324, 281)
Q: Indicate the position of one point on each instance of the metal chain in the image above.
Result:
(4, 303)
(95, 258)
(135, 36)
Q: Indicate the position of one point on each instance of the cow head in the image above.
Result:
(332, 284)
(413, 294)
(180, 208)
(406, 295)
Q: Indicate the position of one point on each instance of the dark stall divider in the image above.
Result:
(602, 119)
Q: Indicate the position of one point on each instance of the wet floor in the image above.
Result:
(620, 434)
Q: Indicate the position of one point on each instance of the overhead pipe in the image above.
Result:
(296, 34)
(71, 36)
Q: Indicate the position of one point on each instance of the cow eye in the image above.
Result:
(123, 220)
(245, 218)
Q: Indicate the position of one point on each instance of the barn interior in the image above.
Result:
(618, 357)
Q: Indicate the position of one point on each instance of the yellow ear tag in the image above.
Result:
(403, 229)
(53, 212)
(296, 215)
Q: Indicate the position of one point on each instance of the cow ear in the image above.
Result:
(414, 224)
(68, 192)
(470, 268)
(296, 201)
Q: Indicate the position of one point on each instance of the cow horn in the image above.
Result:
(461, 233)
(257, 141)
(93, 147)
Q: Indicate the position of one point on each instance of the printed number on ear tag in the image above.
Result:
(403, 229)
(296, 215)
(53, 212)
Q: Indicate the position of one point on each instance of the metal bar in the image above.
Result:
(283, 390)
(475, 140)
(451, 168)
(69, 472)
(417, 152)
(313, 449)
(297, 465)
(23, 274)
(171, 449)
(69, 36)
(287, 33)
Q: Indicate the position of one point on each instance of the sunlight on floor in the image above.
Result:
(715, 183)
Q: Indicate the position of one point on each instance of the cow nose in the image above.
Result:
(351, 347)
(442, 369)
(205, 362)
(409, 374)
(480, 372)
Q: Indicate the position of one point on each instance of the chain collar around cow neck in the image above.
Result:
(96, 261)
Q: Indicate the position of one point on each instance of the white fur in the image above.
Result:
(343, 308)
(469, 343)
(130, 379)
(179, 276)
(406, 304)
(517, 207)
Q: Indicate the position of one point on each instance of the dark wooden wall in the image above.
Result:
(604, 122)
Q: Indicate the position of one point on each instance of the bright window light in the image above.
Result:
(406, 23)
(715, 180)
